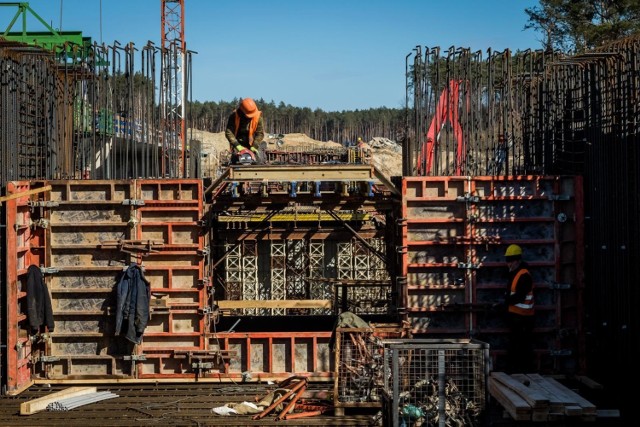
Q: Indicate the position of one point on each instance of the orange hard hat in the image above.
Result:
(249, 107)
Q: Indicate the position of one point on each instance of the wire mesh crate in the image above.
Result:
(435, 382)
(359, 358)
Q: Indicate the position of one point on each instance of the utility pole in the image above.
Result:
(172, 92)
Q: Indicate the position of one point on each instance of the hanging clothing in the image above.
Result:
(39, 310)
(132, 306)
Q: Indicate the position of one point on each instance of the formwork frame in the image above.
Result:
(83, 235)
(455, 232)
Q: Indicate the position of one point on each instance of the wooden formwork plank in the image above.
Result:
(25, 193)
(511, 401)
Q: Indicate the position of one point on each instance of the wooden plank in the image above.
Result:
(532, 397)
(510, 401)
(588, 408)
(25, 193)
(307, 303)
(40, 404)
(608, 413)
(555, 395)
(588, 382)
(556, 404)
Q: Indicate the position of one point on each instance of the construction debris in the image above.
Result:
(532, 397)
(284, 400)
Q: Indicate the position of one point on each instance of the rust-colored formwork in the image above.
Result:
(455, 232)
(25, 246)
(83, 235)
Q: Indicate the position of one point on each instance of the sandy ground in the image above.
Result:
(386, 155)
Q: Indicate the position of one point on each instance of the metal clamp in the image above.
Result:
(47, 359)
(135, 357)
(468, 265)
(42, 204)
(133, 202)
(560, 353)
(468, 198)
(42, 223)
(559, 286)
(201, 365)
(49, 270)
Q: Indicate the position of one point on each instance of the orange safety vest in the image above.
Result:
(524, 308)
(252, 126)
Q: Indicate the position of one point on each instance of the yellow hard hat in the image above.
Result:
(513, 250)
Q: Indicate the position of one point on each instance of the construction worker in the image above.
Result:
(245, 131)
(360, 143)
(519, 303)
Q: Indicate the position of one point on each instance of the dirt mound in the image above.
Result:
(386, 155)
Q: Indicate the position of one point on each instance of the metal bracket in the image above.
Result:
(561, 197)
(201, 365)
(42, 223)
(49, 270)
(560, 286)
(204, 251)
(468, 198)
(135, 357)
(47, 359)
(468, 265)
(133, 202)
(43, 204)
(560, 353)
(204, 311)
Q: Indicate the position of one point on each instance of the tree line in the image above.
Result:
(342, 127)
(568, 26)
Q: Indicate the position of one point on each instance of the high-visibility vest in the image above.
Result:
(524, 308)
(252, 126)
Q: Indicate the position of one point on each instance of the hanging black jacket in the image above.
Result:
(39, 311)
(132, 306)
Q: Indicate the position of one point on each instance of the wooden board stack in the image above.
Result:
(532, 397)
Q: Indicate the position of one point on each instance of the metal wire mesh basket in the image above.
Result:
(435, 382)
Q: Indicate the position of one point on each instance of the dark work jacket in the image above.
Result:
(132, 306)
(39, 311)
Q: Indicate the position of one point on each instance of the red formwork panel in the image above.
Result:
(25, 247)
(84, 234)
(171, 212)
(454, 235)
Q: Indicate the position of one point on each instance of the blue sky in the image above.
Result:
(330, 54)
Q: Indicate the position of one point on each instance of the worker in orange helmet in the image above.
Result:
(245, 131)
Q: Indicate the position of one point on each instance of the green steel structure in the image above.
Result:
(51, 39)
